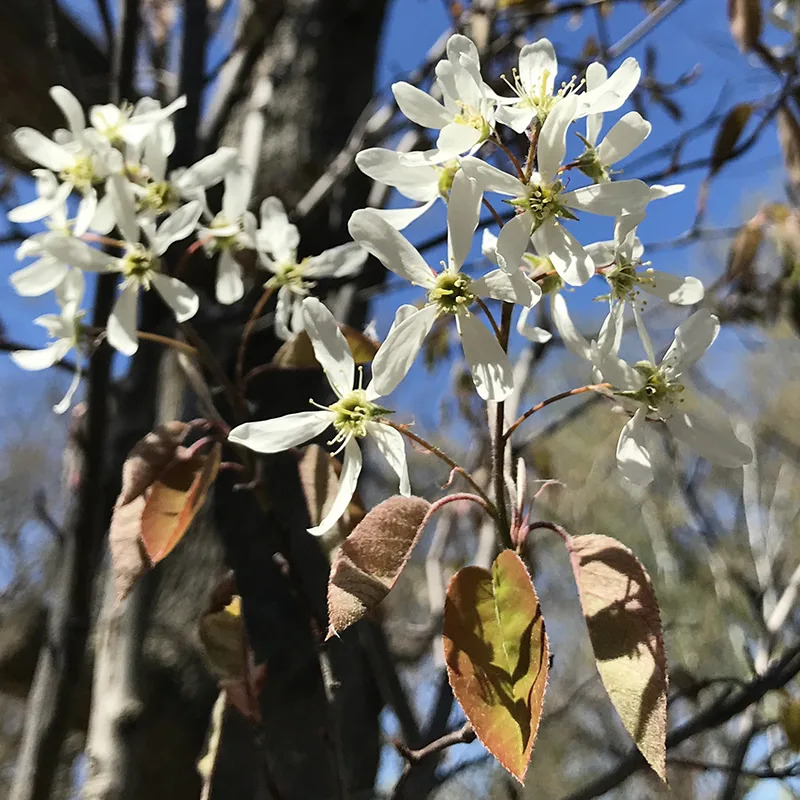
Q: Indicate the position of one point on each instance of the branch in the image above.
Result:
(464, 735)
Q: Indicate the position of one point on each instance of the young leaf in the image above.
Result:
(624, 624)
(371, 559)
(745, 20)
(174, 499)
(495, 647)
(789, 139)
(728, 135)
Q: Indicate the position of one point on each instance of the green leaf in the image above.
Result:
(495, 648)
(371, 559)
(624, 624)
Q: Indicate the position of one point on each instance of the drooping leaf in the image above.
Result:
(497, 658)
(624, 624)
(745, 21)
(174, 499)
(743, 252)
(728, 135)
(371, 559)
(299, 354)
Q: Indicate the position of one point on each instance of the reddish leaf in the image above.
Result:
(495, 647)
(371, 558)
(624, 624)
(174, 499)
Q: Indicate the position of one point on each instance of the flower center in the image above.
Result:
(227, 238)
(658, 391)
(352, 413)
(290, 275)
(81, 174)
(623, 280)
(139, 265)
(451, 293)
(542, 202)
(590, 165)
(447, 172)
(160, 197)
(469, 116)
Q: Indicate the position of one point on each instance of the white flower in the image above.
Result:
(81, 160)
(355, 415)
(449, 292)
(131, 124)
(655, 392)
(619, 261)
(466, 116)
(543, 202)
(623, 138)
(536, 95)
(277, 241)
(65, 330)
(140, 265)
(231, 230)
(192, 181)
(412, 175)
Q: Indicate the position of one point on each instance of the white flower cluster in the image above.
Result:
(118, 168)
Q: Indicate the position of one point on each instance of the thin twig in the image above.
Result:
(247, 332)
(464, 735)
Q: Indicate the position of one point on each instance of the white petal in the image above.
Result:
(712, 437)
(570, 336)
(177, 226)
(488, 363)
(277, 235)
(692, 338)
(238, 183)
(40, 277)
(392, 447)
(492, 179)
(77, 253)
(62, 405)
(70, 108)
(230, 286)
(35, 360)
(401, 218)
(616, 371)
(658, 192)
(457, 138)
(386, 166)
(70, 290)
(103, 220)
(610, 95)
(459, 45)
(514, 238)
(553, 138)
(510, 287)
(609, 199)
(281, 433)
(208, 171)
(351, 469)
(538, 66)
(623, 138)
(177, 295)
(420, 107)
(395, 252)
(633, 456)
(330, 346)
(401, 315)
(124, 205)
(489, 245)
(42, 150)
(518, 118)
(338, 262)
(37, 209)
(681, 291)
(463, 211)
(121, 329)
(566, 253)
(644, 336)
(397, 353)
(610, 337)
(531, 332)
(87, 208)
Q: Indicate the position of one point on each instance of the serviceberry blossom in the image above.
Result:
(536, 93)
(140, 265)
(465, 117)
(66, 331)
(543, 202)
(450, 291)
(654, 391)
(277, 241)
(355, 415)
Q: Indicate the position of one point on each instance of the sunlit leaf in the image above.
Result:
(624, 624)
(497, 658)
(371, 559)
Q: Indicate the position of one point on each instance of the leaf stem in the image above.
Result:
(464, 735)
(480, 301)
(593, 387)
(176, 344)
(555, 528)
(514, 160)
(246, 333)
(530, 162)
(455, 466)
